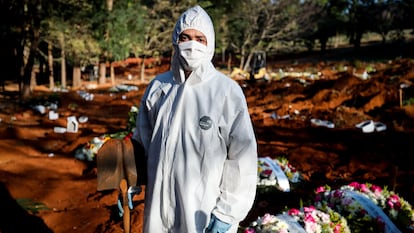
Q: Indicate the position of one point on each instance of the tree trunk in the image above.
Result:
(63, 69)
(109, 4)
(323, 41)
(229, 60)
(76, 77)
(63, 61)
(33, 81)
(112, 71)
(247, 61)
(357, 42)
(102, 73)
(223, 55)
(242, 57)
(102, 64)
(50, 65)
(143, 69)
(35, 8)
(28, 67)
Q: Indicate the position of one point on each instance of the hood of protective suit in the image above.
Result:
(198, 19)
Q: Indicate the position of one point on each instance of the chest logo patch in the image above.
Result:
(205, 122)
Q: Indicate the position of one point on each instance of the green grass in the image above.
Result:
(31, 206)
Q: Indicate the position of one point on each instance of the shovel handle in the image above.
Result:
(126, 217)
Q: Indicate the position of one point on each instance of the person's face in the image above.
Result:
(192, 34)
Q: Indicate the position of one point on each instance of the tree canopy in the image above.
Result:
(85, 32)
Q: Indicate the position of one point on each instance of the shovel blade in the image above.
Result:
(115, 161)
(130, 168)
(109, 165)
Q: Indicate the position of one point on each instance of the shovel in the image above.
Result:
(117, 170)
(127, 216)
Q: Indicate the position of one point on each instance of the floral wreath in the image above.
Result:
(307, 220)
(368, 207)
(355, 207)
(277, 173)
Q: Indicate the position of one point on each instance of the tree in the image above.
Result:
(12, 34)
(384, 14)
(360, 20)
(260, 24)
(22, 36)
(321, 20)
(69, 30)
(80, 32)
(119, 28)
(221, 12)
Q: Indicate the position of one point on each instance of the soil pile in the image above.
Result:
(308, 114)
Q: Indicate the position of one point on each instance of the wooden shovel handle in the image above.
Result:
(126, 217)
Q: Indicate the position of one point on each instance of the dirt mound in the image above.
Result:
(45, 187)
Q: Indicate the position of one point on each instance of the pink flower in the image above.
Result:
(309, 218)
(337, 228)
(354, 185)
(376, 189)
(309, 209)
(394, 202)
(293, 212)
(320, 189)
(249, 230)
(266, 219)
(394, 198)
(364, 188)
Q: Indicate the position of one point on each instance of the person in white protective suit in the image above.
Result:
(201, 150)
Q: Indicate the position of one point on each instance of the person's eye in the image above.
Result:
(183, 38)
(202, 40)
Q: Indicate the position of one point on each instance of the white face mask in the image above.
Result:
(192, 54)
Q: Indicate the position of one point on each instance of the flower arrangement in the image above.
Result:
(90, 149)
(267, 224)
(367, 207)
(307, 220)
(131, 124)
(316, 221)
(291, 172)
(360, 208)
(277, 173)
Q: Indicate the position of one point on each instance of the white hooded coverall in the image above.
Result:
(199, 141)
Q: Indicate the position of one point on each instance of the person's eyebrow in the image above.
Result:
(183, 35)
(198, 36)
(201, 37)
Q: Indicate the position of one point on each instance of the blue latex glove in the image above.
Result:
(132, 191)
(217, 226)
